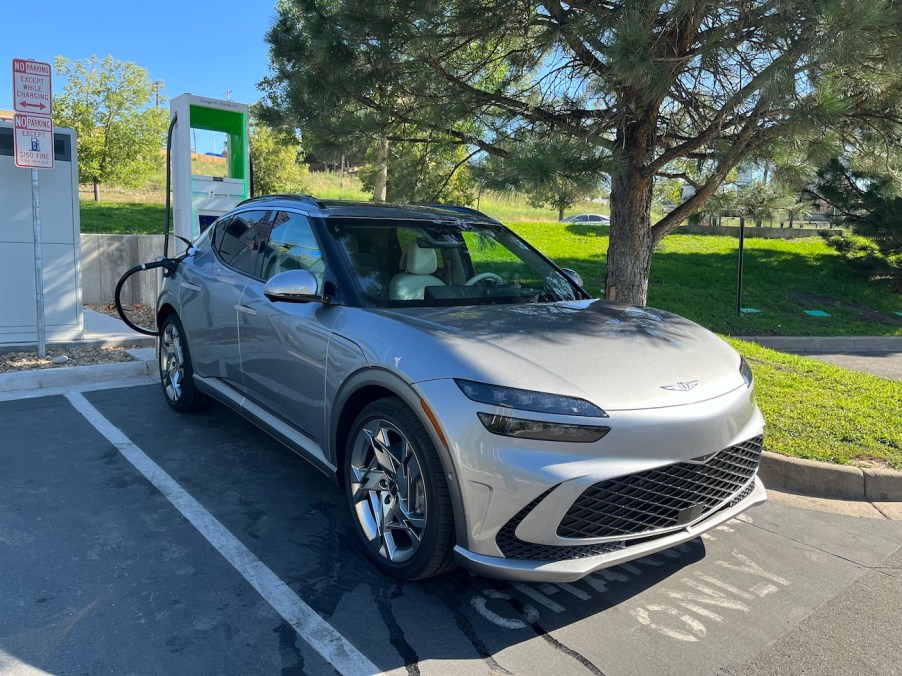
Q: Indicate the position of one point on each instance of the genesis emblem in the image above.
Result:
(682, 386)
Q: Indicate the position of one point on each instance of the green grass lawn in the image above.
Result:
(822, 412)
(122, 218)
(695, 276)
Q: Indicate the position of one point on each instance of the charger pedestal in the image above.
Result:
(198, 200)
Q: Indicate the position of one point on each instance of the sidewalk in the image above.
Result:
(104, 331)
(100, 331)
(878, 355)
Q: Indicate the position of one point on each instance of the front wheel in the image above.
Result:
(397, 492)
(176, 372)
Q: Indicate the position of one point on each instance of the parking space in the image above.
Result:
(100, 571)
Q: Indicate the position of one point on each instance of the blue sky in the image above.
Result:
(195, 46)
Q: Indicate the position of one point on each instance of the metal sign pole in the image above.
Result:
(38, 262)
(33, 149)
(741, 260)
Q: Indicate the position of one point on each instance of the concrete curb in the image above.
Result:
(825, 480)
(22, 381)
(853, 344)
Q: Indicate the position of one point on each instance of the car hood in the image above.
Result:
(617, 356)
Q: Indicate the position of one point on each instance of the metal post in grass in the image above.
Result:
(741, 260)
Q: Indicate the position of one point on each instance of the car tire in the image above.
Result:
(397, 492)
(176, 371)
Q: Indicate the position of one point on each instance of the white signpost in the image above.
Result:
(33, 103)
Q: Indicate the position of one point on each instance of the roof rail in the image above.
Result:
(298, 198)
(460, 209)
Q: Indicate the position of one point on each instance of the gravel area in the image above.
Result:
(64, 357)
(140, 315)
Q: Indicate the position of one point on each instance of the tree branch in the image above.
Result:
(453, 171)
(681, 175)
(690, 206)
(519, 108)
(714, 128)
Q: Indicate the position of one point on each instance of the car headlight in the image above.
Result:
(527, 400)
(746, 372)
(541, 430)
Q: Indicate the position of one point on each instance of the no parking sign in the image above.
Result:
(34, 142)
(33, 103)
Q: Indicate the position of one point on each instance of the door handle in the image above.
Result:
(246, 310)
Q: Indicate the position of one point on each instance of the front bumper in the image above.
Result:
(574, 569)
(497, 477)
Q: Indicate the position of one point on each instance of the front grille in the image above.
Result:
(662, 498)
(514, 548)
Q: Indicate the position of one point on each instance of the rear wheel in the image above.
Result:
(397, 492)
(176, 372)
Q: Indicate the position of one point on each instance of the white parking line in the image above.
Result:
(40, 392)
(318, 633)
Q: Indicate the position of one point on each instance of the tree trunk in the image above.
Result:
(96, 191)
(381, 182)
(631, 241)
(560, 214)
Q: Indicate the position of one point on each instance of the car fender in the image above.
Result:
(385, 379)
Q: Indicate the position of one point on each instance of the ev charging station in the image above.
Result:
(199, 200)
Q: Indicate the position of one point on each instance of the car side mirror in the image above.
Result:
(574, 276)
(294, 286)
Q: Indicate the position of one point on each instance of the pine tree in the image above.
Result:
(643, 84)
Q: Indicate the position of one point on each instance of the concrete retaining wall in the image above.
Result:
(105, 258)
(752, 231)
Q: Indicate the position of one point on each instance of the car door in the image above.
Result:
(284, 345)
(210, 289)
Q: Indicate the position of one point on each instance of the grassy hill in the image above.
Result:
(330, 185)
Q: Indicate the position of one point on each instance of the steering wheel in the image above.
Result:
(497, 279)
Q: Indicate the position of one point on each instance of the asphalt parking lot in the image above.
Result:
(135, 540)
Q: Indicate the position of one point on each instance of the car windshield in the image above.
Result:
(412, 263)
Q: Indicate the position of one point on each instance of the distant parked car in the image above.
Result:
(595, 219)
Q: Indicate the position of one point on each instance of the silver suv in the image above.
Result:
(473, 402)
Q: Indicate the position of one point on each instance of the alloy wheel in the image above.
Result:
(172, 362)
(388, 491)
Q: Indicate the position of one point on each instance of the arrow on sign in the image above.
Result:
(25, 104)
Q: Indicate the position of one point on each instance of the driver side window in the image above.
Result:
(292, 246)
(237, 242)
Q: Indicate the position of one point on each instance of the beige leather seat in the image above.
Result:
(418, 265)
